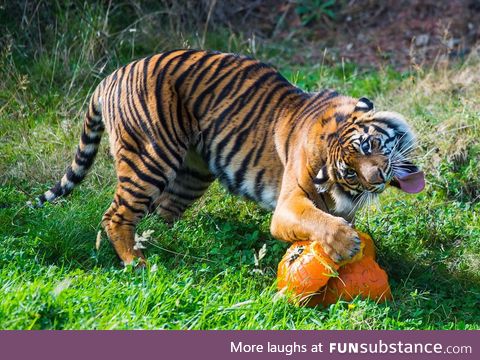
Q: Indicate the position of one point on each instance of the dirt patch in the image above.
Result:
(368, 32)
(399, 33)
(404, 33)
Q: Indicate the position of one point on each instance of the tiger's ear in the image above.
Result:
(364, 105)
(321, 179)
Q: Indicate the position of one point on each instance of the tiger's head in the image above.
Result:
(368, 151)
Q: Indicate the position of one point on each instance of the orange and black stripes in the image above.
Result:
(180, 119)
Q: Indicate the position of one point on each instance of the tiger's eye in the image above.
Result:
(350, 173)
(365, 146)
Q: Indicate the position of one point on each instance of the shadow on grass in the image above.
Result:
(432, 290)
(429, 291)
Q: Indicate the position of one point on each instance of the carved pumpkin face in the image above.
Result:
(305, 269)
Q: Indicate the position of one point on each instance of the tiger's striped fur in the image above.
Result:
(180, 119)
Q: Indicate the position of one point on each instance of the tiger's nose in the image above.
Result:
(373, 175)
(380, 177)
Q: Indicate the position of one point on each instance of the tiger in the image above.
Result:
(181, 119)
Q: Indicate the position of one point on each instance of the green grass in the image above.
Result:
(201, 272)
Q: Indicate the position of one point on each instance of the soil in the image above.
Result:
(398, 33)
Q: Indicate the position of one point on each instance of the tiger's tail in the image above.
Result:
(92, 131)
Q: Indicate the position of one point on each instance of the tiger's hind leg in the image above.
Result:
(139, 185)
(191, 182)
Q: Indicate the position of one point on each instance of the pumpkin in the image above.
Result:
(312, 277)
(364, 278)
(305, 269)
(368, 245)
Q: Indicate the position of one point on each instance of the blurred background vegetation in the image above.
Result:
(366, 32)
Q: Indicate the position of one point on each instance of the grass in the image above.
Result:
(201, 272)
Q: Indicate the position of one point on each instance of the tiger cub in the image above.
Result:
(181, 119)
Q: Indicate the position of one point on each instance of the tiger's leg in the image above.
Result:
(139, 184)
(301, 214)
(191, 181)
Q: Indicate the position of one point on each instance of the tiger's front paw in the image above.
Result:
(339, 239)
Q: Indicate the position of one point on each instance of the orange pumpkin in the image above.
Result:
(369, 245)
(304, 269)
(364, 278)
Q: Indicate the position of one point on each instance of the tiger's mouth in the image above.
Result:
(408, 178)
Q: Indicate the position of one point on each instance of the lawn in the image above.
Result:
(54, 273)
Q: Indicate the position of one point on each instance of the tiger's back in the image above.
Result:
(222, 106)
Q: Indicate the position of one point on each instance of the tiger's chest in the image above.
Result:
(246, 165)
(340, 204)
(257, 184)
(258, 181)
